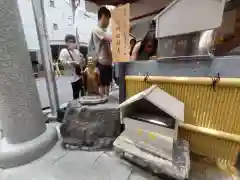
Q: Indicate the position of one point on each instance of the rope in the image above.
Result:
(215, 80)
(146, 78)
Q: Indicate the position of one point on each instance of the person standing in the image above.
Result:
(100, 45)
(146, 48)
(72, 57)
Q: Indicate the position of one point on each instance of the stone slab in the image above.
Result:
(178, 168)
(13, 155)
(150, 136)
(93, 100)
(90, 127)
(108, 168)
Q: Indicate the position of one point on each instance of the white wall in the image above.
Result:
(61, 15)
(85, 20)
(143, 7)
(186, 16)
(140, 29)
(29, 26)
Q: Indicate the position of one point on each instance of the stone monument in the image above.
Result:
(152, 118)
(24, 135)
(91, 127)
(95, 124)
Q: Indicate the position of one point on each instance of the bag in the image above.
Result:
(78, 69)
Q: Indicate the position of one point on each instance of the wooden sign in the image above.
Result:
(120, 33)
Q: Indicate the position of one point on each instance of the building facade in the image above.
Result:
(59, 20)
(29, 26)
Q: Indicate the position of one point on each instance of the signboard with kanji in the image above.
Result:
(120, 33)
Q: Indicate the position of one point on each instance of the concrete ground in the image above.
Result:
(63, 86)
(61, 164)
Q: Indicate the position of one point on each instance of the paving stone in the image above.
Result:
(107, 168)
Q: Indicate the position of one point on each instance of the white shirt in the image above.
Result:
(102, 46)
(65, 58)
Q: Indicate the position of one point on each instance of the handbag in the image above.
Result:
(78, 69)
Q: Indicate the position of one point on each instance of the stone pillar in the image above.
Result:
(24, 135)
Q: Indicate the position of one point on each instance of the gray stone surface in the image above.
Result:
(63, 86)
(23, 153)
(91, 127)
(60, 164)
(21, 116)
(151, 137)
(178, 168)
(92, 100)
(24, 135)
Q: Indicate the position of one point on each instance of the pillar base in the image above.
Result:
(12, 155)
(52, 117)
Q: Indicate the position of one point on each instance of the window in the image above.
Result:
(52, 3)
(70, 21)
(55, 26)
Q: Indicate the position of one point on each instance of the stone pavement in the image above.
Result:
(63, 86)
(60, 164)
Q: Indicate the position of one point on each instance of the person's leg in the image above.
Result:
(108, 79)
(101, 90)
(107, 89)
(76, 89)
(82, 88)
(58, 70)
(101, 79)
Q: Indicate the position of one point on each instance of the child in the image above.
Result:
(91, 77)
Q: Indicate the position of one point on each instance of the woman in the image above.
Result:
(145, 49)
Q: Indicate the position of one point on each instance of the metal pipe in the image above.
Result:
(45, 50)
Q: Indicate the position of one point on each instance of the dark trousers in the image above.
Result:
(76, 88)
(105, 74)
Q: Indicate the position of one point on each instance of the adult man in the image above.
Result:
(100, 45)
(75, 59)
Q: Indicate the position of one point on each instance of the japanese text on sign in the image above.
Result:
(120, 33)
